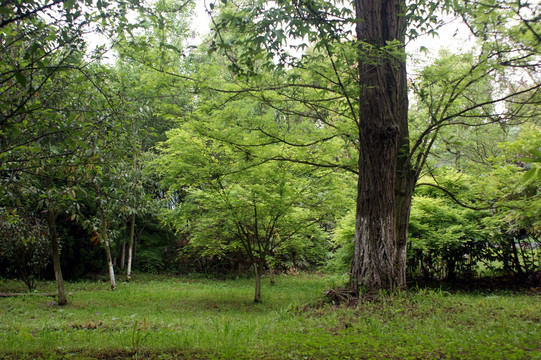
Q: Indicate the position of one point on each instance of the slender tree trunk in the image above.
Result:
(258, 269)
(451, 268)
(271, 275)
(516, 260)
(130, 247)
(105, 241)
(134, 256)
(111, 267)
(385, 182)
(122, 254)
(51, 220)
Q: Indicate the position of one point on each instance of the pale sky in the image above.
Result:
(454, 36)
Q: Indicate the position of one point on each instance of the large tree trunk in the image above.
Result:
(385, 182)
(51, 220)
(130, 247)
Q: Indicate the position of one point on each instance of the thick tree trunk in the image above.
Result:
(130, 247)
(51, 220)
(385, 182)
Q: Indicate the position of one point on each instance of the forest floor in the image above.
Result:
(163, 317)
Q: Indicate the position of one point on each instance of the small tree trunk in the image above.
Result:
(111, 267)
(130, 247)
(122, 254)
(105, 242)
(451, 268)
(271, 275)
(51, 220)
(258, 269)
(27, 275)
(516, 260)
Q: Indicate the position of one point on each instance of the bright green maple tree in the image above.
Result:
(232, 200)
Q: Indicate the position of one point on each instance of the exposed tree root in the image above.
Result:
(342, 296)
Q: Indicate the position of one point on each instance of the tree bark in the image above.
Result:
(51, 221)
(516, 260)
(105, 242)
(122, 254)
(271, 275)
(385, 181)
(258, 269)
(111, 267)
(130, 247)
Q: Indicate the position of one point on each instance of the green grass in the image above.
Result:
(168, 318)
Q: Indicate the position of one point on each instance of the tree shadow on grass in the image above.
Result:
(530, 282)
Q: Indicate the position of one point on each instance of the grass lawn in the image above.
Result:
(170, 318)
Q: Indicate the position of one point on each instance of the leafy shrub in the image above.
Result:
(340, 259)
(156, 248)
(25, 245)
(445, 240)
(150, 261)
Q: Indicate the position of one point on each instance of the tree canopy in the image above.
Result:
(292, 134)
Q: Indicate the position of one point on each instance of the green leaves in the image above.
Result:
(231, 197)
(532, 174)
(25, 247)
(262, 37)
(68, 4)
(535, 162)
(424, 17)
(21, 79)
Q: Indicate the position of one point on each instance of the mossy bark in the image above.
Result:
(384, 183)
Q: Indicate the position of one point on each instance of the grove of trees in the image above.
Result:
(295, 135)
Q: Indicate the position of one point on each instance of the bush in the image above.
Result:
(25, 247)
(344, 235)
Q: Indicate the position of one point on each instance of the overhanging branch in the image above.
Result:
(453, 197)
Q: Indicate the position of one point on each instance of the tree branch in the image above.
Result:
(453, 197)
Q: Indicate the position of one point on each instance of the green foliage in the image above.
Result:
(261, 207)
(157, 247)
(344, 235)
(276, 87)
(449, 240)
(446, 239)
(454, 237)
(525, 150)
(228, 200)
(24, 246)
(60, 116)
